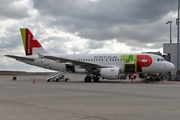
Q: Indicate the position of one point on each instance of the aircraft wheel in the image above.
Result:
(67, 79)
(157, 79)
(146, 81)
(87, 79)
(57, 79)
(96, 79)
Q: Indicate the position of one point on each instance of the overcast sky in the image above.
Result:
(85, 26)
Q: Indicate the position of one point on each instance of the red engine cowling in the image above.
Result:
(110, 73)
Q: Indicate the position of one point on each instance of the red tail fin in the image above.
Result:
(31, 45)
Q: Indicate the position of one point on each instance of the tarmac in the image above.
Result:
(76, 100)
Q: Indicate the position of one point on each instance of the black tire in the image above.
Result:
(87, 79)
(96, 79)
(157, 79)
(146, 81)
(66, 79)
(57, 80)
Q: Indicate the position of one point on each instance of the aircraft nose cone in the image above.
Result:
(171, 66)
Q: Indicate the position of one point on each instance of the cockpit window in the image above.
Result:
(160, 59)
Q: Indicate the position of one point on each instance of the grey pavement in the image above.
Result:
(76, 100)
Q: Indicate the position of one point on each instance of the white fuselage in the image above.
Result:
(158, 64)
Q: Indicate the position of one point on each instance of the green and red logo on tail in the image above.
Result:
(29, 41)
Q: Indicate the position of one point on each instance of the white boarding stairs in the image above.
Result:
(58, 76)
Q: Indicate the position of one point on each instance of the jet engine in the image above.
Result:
(110, 73)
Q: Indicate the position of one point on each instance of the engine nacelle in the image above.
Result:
(110, 73)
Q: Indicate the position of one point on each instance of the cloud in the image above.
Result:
(86, 26)
(13, 9)
(104, 20)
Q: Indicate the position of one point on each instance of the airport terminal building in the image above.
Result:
(171, 50)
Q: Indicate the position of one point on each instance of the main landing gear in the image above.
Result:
(89, 79)
(151, 78)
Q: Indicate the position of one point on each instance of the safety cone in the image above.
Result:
(34, 81)
(161, 81)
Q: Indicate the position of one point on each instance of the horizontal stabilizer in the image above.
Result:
(20, 57)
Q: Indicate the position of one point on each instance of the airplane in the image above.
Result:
(112, 66)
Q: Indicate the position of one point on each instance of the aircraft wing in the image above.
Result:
(20, 57)
(74, 62)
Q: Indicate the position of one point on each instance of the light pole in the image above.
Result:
(178, 67)
(169, 55)
(169, 22)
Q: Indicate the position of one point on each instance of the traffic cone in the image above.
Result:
(34, 81)
(161, 81)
